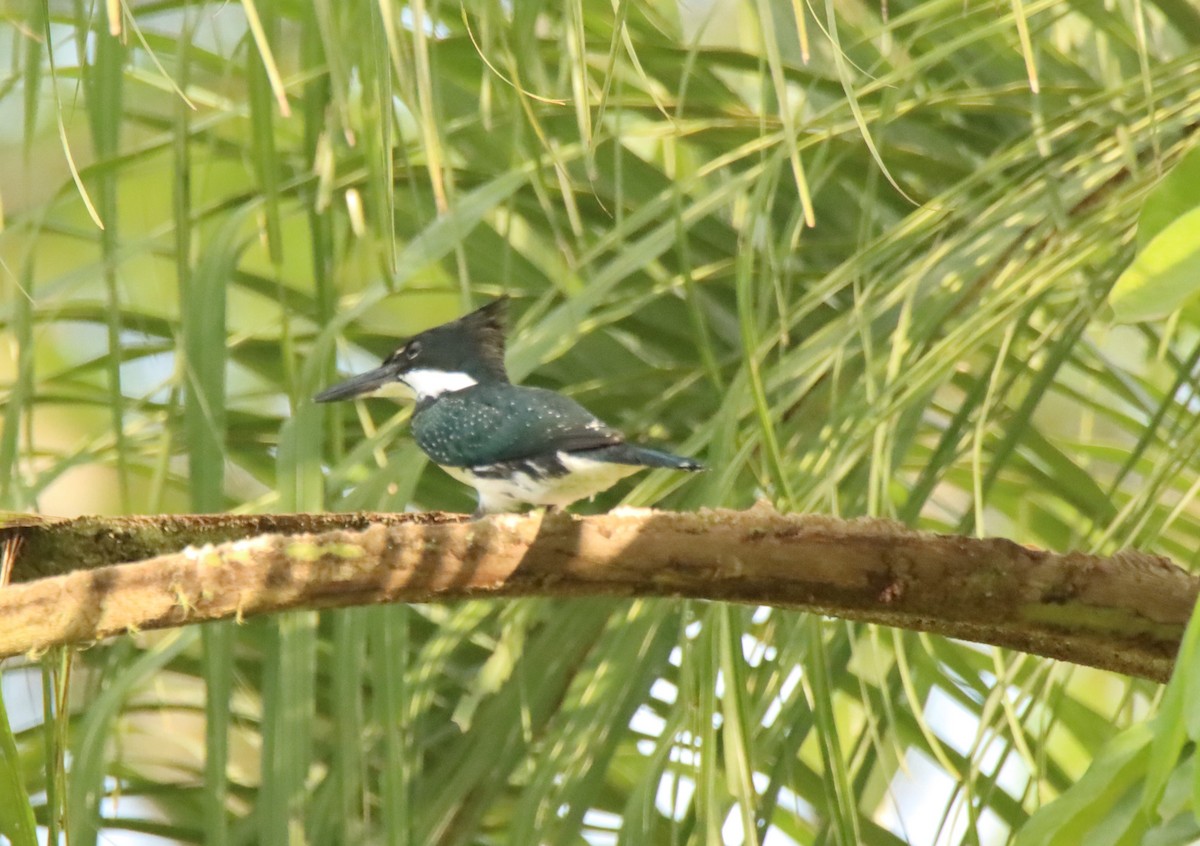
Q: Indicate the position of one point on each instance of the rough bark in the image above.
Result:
(1126, 612)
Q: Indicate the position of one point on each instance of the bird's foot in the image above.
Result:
(558, 512)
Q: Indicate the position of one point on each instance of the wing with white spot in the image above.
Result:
(503, 422)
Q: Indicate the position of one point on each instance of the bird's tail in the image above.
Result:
(644, 457)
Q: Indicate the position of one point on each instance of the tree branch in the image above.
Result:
(1125, 613)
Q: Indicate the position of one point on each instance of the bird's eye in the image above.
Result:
(412, 350)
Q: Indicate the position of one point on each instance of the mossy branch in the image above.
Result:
(1125, 613)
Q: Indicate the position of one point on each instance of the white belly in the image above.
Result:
(585, 478)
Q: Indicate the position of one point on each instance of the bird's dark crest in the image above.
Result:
(485, 326)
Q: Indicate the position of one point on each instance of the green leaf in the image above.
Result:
(16, 814)
(1087, 807)
(1164, 276)
(1175, 196)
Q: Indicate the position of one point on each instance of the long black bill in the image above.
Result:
(356, 386)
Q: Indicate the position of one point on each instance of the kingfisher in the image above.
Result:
(516, 445)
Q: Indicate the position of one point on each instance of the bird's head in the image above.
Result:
(449, 357)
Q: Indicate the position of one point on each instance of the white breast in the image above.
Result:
(585, 478)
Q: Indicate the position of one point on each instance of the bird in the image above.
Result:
(515, 445)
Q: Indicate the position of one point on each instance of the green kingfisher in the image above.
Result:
(514, 444)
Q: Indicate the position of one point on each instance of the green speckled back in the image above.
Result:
(503, 422)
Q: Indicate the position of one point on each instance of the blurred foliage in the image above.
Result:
(855, 257)
(1141, 788)
(1165, 274)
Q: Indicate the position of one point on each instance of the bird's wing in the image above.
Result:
(488, 423)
